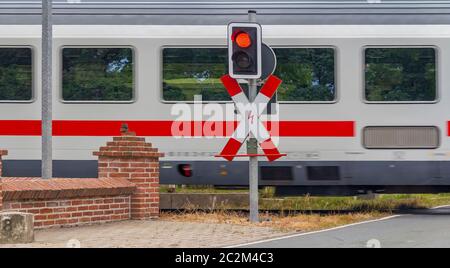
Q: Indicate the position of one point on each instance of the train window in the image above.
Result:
(400, 74)
(16, 74)
(97, 74)
(194, 71)
(308, 74)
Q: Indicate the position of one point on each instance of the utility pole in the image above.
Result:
(252, 148)
(47, 40)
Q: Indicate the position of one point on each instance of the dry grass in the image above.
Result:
(365, 210)
(294, 223)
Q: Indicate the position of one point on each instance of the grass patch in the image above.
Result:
(384, 203)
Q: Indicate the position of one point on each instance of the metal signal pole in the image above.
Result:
(252, 148)
(47, 38)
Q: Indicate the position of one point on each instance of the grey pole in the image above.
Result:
(47, 38)
(252, 148)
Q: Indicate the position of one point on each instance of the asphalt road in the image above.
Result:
(423, 229)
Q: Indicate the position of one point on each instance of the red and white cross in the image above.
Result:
(251, 122)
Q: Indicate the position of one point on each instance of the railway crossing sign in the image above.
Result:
(245, 60)
(251, 123)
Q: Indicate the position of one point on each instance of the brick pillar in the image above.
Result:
(132, 158)
(2, 153)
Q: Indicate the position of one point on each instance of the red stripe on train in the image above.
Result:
(448, 128)
(164, 128)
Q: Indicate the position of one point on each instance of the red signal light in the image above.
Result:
(243, 40)
(185, 170)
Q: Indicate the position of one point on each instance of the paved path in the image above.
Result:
(428, 228)
(156, 233)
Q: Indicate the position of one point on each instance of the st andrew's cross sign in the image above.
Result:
(251, 122)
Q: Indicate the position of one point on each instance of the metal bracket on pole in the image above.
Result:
(47, 40)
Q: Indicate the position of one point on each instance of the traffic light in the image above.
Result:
(244, 50)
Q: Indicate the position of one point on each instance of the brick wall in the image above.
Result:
(127, 188)
(76, 211)
(132, 158)
(2, 153)
(68, 202)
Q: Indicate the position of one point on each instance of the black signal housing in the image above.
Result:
(244, 50)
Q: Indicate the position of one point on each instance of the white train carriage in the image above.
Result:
(364, 104)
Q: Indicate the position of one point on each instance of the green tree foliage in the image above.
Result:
(400, 74)
(15, 74)
(194, 71)
(97, 74)
(307, 74)
(173, 93)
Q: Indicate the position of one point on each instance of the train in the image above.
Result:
(364, 105)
